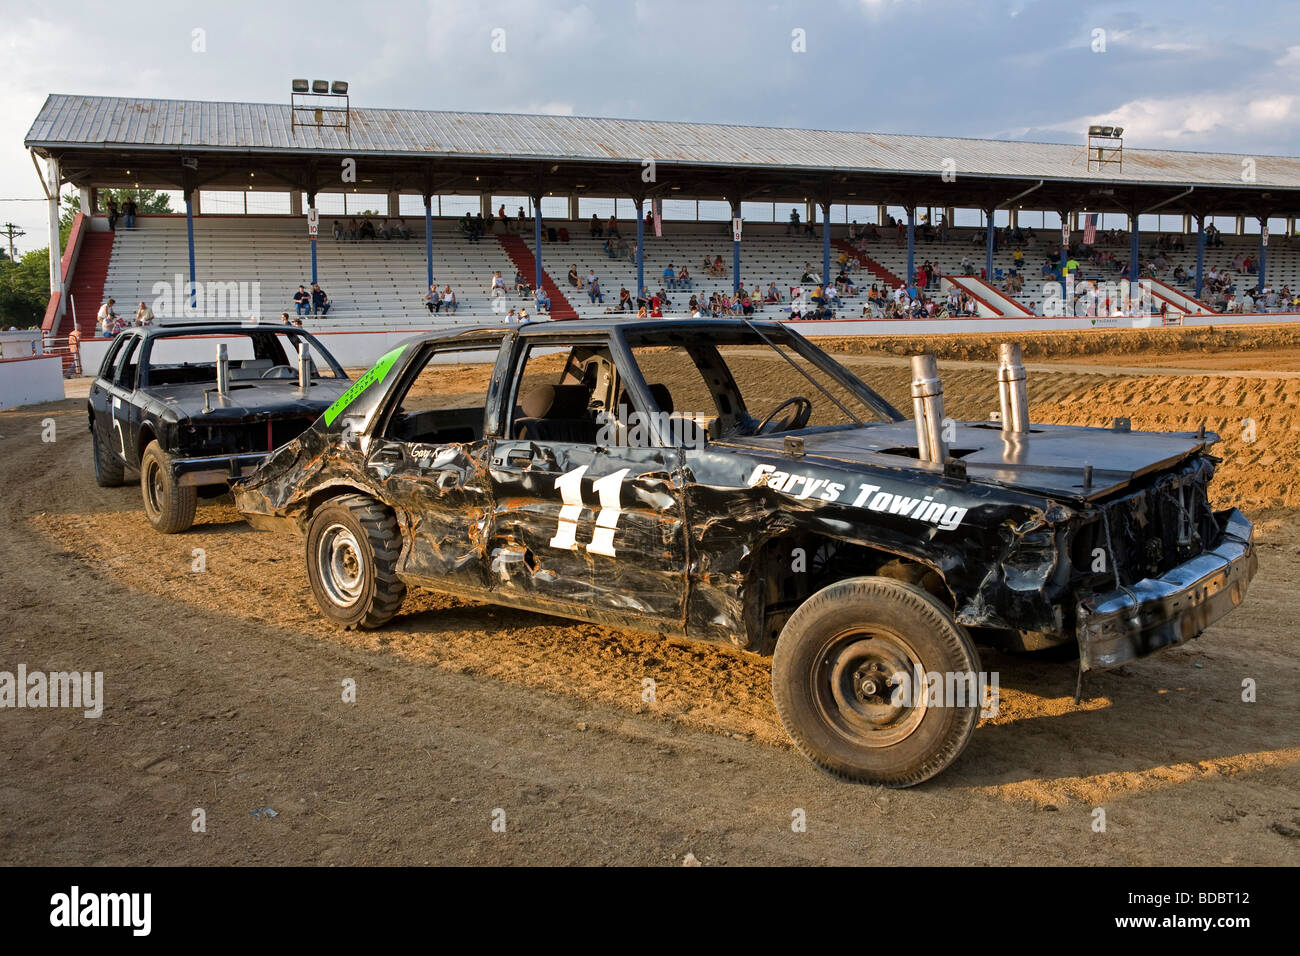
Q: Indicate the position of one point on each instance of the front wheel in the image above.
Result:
(875, 682)
(352, 551)
(168, 506)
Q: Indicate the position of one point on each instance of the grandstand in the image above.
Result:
(588, 165)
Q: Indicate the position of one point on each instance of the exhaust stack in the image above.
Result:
(304, 367)
(927, 408)
(223, 370)
(1012, 395)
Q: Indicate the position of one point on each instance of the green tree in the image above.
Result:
(25, 289)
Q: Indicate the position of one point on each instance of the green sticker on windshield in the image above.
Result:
(376, 374)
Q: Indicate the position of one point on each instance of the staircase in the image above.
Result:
(522, 257)
(87, 281)
(890, 280)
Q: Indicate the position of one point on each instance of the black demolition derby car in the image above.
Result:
(191, 406)
(727, 480)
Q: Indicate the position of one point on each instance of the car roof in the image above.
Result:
(609, 324)
(211, 328)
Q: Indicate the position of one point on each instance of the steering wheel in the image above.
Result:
(797, 420)
(279, 371)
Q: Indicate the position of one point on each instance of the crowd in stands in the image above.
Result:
(366, 228)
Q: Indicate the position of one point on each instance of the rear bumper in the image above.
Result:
(1127, 623)
(216, 470)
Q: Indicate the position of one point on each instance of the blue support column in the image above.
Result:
(735, 254)
(537, 241)
(1065, 257)
(640, 251)
(911, 245)
(826, 250)
(428, 237)
(1262, 265)
(311, 204)
(189, 232)
(988, 246)
(1134, 255)
(1200, 254)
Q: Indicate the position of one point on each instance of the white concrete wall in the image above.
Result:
(22, 344)
(30, 381)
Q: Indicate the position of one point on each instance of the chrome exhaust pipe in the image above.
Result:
(223, 370)
(304, 367)
(1012, 395)
(927, 409)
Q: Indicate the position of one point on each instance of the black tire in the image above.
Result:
(168, 506)
(832, 679)
(109, 470)
(352, 549)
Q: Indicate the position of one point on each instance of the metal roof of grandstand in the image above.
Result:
(104, 122)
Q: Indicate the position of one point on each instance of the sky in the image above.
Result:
(1177, 74)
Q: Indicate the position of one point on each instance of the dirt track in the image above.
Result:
(224, 692)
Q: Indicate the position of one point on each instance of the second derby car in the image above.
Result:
(727, 480)
(191, 406)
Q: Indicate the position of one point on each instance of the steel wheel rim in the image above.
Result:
(857, 687)
(341, 565)
(154, 486)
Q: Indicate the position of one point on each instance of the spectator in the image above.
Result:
(128, 212)
(354, 229)
(367, 228)
(74, 349)
(625, 300)
(611, 228)
(320, 302)
(105, 317)
(596, 230)
(338, 231)
(302, 300)
(521, 284)
(542, 301)
(497, 288)
(112, 213)
(573, 275)
(523, 316)
(118, 325)
(520, 222)
(670, 276)
(284, 319)
(143, 315)
(773, 293)
(449, 303)
(683, 278)
(297, 322)
(793, 227)
(593, 291)
(394, 227)
(433, 301)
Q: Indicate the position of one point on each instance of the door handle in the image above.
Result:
(519, 456)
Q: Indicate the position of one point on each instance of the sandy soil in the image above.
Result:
(224, 693)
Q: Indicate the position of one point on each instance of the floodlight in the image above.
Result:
(320, 86)
(1119, 130)
(300, 86)
(339, 87)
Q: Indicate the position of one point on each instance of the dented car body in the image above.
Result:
(579, 497)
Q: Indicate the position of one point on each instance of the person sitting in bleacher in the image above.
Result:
(573, 275)
(144, 315)
(624, 301)
(542, 301)
(394, 228)
(773, 293)
(670, 276)
(683, 277)
(521, 220)
(367, 230)
(302, 300)
(611, 228)
(521, 285)
(433, 299)
(628, 250)
(596, 230)
(793, 227)
(449, 303)
(664, 301)
(845, 285)
(338, 230)
(717, 268)
(353, 230)
(320, 302)
(593, 290)
(610, 247)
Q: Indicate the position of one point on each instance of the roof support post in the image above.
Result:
(825, 206)
(56, 253)
(189, 238)
(1261, 267)
(640, 247)
(990, 239)
(1065, 215)
(537, 241)
(735, 249)
(911, 245)
(1200, 253)
(311, 207)
(1134, 255)
(428, 239)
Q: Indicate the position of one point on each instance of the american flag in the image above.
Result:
(1090, 229)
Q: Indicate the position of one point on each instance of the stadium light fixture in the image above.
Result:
(320, 86)
(339, 87)
(300, 86)
(1118, 131)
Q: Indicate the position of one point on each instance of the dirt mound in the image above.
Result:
(1116, 344)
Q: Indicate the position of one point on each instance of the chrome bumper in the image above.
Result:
(1127, 623)
(216, 470)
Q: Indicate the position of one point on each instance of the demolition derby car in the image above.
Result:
(727, 480)
(190, 407)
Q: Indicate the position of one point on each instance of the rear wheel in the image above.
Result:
(168, 506)
(851, 676)
(352, 551)
(109, 471)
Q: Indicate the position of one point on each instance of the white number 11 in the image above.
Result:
(609, 489)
